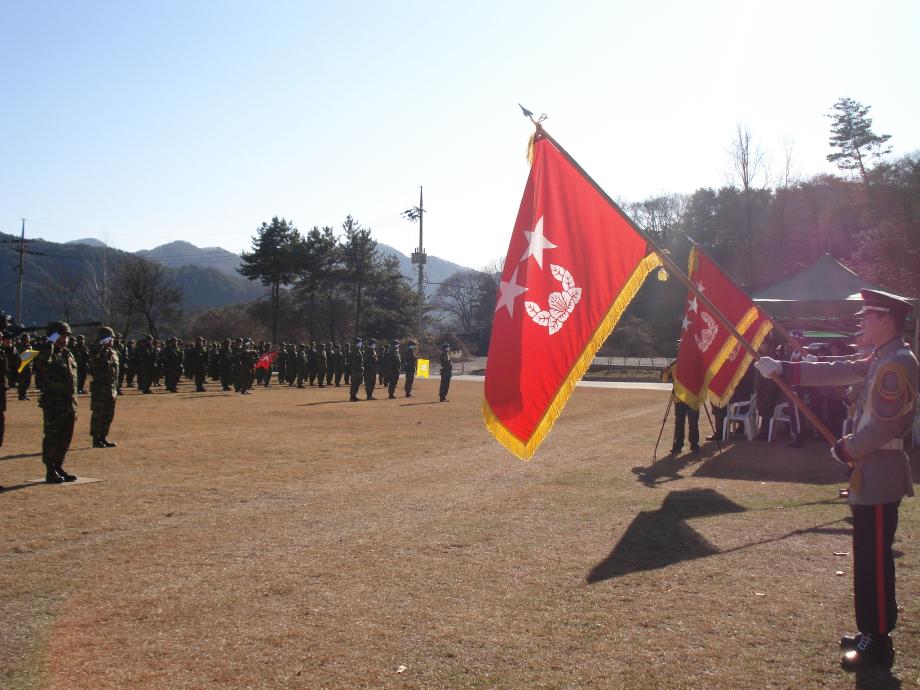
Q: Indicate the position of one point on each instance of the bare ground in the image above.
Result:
(291, 539)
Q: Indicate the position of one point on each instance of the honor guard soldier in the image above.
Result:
(880, 474)
(394, 368)
(409, 365)
(447, 370)
(58, 400)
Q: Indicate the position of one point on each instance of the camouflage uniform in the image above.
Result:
(226, 358)
(58, 402)
(330, 363)
(321, 362)
(356, 370)
(172, 365)
(370, 369)
(146, 364)
(81, 354)
(311, 363)
(199, 360)
(410, 363)
(338, 365)
(103, 389)
(394, 365)
(346, 363)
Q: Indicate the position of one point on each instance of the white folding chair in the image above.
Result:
(744, 412)
(780, 416)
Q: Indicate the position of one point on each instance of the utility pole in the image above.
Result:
(22, 254)
(418, 256)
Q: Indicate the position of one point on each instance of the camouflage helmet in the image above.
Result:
(104, 332)
(61, 327)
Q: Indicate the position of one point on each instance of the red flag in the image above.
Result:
(265, 361)
(573, 265)
(710, 362)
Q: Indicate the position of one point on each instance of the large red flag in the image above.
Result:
(573, 265)
(710, 362)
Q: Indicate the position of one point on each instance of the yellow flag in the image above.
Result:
(421, 368)
(25, 357)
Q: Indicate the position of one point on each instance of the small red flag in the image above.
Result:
(573, 265)
(265, 361)
(710, 361)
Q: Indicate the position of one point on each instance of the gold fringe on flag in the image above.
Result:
(525, 450)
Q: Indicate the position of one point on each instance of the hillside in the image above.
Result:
(57, 277)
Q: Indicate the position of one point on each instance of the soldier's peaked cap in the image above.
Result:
(883, 303)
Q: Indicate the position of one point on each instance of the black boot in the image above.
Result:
(108, 443)
(870, 650)
(63, 474)
(99, 443)
(51, 475)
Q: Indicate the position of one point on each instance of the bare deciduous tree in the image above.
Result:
(146, 289)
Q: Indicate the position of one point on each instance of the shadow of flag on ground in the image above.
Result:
(663, 537)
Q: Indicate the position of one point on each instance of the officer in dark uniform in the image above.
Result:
(683, 413)
(874, 454)
(409, 365)
(58, 400)
(447, 370)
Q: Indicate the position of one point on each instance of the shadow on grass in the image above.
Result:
(21, 455)
(875, 679)
(17, 487)
(774, 462)
(323, 402)
(662, 537)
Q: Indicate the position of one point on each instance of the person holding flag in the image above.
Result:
(880, 474)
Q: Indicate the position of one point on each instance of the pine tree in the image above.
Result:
(851, 132)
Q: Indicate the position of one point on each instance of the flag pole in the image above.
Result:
(672, 266)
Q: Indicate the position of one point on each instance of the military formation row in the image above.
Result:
(60, 375)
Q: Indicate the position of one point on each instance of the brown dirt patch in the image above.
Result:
(291, 539)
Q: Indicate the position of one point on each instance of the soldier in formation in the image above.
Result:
(370, 368)
(172, 364)
(409, 365)
(104, 367)
(356, 369)
(81, 354)
(58, 401)
(447, 369)
(394, 368)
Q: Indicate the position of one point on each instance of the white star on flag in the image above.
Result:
(537, 243)
(685, 323)
(700, 286)
(693, 306)
(507, 292)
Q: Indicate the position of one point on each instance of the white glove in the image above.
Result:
(811, 358)
(768, 367)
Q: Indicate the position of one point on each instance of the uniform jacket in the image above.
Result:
(884, 412)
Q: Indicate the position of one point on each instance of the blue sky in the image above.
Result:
(142, 123)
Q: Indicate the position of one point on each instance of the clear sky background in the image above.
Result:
(140, 123)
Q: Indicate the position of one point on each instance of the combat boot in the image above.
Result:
(107, 443)
(51, 475)
(99, 443)
(63, 474)
(870, 650)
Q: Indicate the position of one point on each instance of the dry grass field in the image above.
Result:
(290, 539)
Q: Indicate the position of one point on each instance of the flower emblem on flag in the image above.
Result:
(707, 334)
(561, 304)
